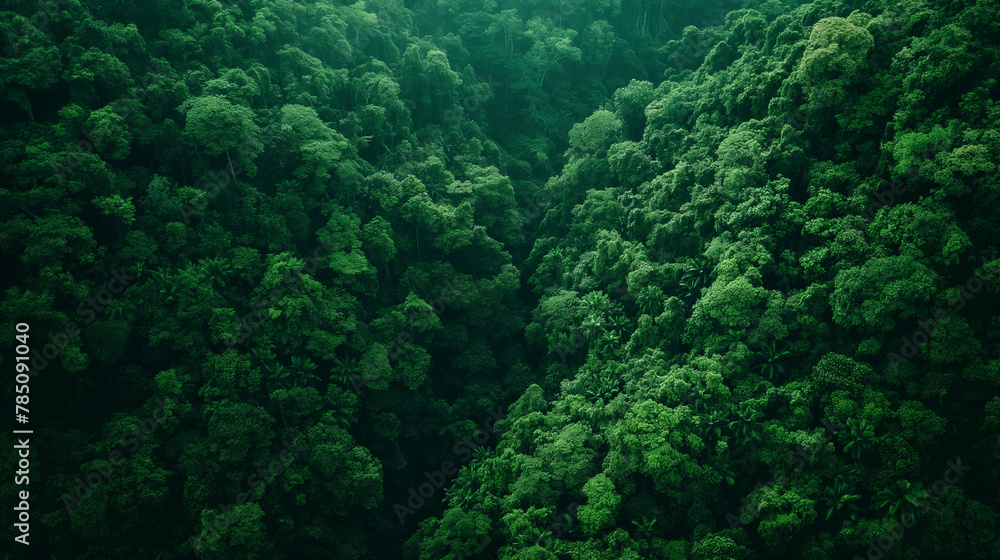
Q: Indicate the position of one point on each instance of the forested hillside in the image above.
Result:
(574, 279)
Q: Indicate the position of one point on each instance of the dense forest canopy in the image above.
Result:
(550, 279)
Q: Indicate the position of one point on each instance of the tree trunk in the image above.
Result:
(282, 411)
(231, 171)
(416, 228)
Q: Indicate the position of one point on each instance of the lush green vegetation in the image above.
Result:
(574, 279)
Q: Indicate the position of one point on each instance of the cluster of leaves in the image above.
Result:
(282, 185)
(751, 170)
(289, 183)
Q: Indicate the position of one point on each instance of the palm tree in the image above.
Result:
(168, 289)
(699, 399)
(744, 428)
(122, 308)
(343, 405)
(724, 468)
(216, 268)
(551, 542)
(191, 270)
(387, 161)
(696, 276)
(731, 339)
(902, 495)
(644, 527)
(711, 423)
(608, 342)
(160, 278)
(288, 186)
(857, 436)
(278, 376)
(771, 361)
(838, 471)
(838, 496)
(618, 323)
(344, 369)
(188, 387)
(651, 300)
(264, 353)
(691, 288)
(592, 324)
(459, 494)
(302, 371)
(596, 303)
(694, 390)
(605, 387)
(478, 456)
